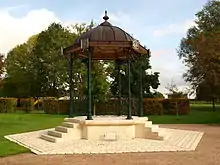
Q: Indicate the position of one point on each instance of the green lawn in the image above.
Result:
(19, 122)
(199, 114)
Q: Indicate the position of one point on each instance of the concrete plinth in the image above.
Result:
(104, 128)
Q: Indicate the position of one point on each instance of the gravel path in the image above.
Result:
(207, 153)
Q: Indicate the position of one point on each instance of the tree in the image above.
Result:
(174, 92)
(149, 80)
(44, 72)
(79, 29)
(51, 69)
(41, 69)
(100, 85)
(200, 50)
(2, 67)
(18, 71)
(157, 94)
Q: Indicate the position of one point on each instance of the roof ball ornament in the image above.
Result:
(105, 17)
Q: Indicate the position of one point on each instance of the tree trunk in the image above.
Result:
(213, 104)
(94, 109)
(177, 110)
(19, 102)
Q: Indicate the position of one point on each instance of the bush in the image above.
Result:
(153, 107)
(176, 106)
(27, 104)
(112, 107)
(51, 106)
(62, 107)
(7, 105)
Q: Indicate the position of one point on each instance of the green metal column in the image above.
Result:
(119, 87)
(71, 86)
(141, 90)
(89, 109)
(129, 89)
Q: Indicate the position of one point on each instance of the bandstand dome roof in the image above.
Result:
(108, 42)
(105, 32)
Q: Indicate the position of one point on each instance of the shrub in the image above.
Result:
(62, 107)
(51, 106)
(27, 104)
(112, 107)
(152, 107)
(7, 105)
(176, 106)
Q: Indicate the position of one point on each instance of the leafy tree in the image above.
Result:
(2, 67)
(79, 29)
(174, 92)
(50, 67)
(38, 63)
(100, 85)
(18, 70)
(200, 51)
(149, 80)
(44, 72)
(157, 94)
(8, 89)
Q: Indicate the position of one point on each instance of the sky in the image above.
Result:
(157, 24)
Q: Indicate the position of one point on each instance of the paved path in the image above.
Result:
(207, 153)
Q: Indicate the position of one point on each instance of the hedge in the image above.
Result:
(7, 105)
(62, 107)
(113, 107)
(25, 104)
(176, 106)
(153, 106)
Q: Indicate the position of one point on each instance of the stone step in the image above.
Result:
(154, 132)
(156, 129)
(148, 123)
(141, 118)
(62, 129)
(55, 133)
(152, 128)
(50, 138)
(154, 136)
(71, 120)
(68, 124)
(164, 133)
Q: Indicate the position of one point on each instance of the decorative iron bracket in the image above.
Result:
(135, 44)
(84, 43)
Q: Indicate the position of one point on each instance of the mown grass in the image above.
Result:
(19, 122)
(199, 114)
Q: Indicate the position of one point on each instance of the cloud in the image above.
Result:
(14, 31)
(170, 67)
(123, 20)
(178, 28)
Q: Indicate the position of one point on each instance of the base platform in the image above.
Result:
(109, 128)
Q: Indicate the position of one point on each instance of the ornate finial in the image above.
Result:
(105, 17)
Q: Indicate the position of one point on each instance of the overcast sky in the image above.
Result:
(158, 24)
